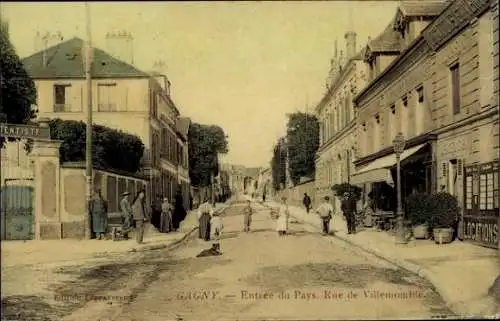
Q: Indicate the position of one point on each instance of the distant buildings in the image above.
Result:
(124, 98)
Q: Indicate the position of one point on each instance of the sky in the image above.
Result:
(240, 65)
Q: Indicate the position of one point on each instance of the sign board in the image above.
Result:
(24, 131)
(482, 230)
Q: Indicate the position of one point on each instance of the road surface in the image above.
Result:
(303, 276)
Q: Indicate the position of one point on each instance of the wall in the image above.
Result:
(73, 190)
(295, 195)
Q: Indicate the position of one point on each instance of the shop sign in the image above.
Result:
(483, 230)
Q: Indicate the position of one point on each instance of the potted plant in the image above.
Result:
(444, 214)
(418, 212)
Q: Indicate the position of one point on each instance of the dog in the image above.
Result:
(213, 251)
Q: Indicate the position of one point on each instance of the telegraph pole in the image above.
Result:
(88, 145)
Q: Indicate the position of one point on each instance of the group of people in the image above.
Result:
(167, 216)
(132, 215)
(164, 216)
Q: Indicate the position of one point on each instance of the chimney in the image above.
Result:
(120, 46)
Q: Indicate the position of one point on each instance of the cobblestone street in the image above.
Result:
(259, 276)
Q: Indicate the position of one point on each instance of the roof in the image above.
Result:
(422, 8)
(65, 60)
(182, 126)
(387, 41)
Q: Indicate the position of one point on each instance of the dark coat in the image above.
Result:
(307, 201)
(99, 212)
(348, 206)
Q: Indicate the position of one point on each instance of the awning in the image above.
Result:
(379, 169)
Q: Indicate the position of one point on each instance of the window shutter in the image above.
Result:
(445, 175)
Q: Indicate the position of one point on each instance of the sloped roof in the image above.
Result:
(387, 41)
(66, 60)
(422, 7)
(182, 126)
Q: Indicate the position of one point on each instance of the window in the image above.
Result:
(455, 88)
(420, 94)
(487, 191)
(419, 111)
(106, 95)
(405, 101)
(154, 104)
(60, 98)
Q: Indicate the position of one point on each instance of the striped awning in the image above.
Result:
(379, 169)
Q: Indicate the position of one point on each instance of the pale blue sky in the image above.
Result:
(240, 65)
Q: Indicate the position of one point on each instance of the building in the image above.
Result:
(264, 182)
(436, 81)
(335, 112)
(124, 98)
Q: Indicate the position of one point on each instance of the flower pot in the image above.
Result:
(443, 235)
(421, 231)
(368, 221)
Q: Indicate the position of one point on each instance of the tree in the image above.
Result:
(17, 89)
(303, 143)
(112, 149)
(205, 143)
(278, 165)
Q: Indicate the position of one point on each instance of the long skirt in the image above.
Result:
(282, 224)
(166, 222)
(99, 222)
(205, 227)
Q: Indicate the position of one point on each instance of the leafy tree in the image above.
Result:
(353, 190)
(111, 149)
(205, 143)
(278, 165)
(303, 142)
(17, 89)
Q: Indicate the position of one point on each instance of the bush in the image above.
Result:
(340, 189)
(419, 209)
(112, 149)
(444, 210)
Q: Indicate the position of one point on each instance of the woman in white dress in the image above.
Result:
(283, 215)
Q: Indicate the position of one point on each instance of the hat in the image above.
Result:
(125, 193)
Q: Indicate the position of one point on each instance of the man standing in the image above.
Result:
(140, 216)
(349, 209)
(126, 212)
(247, 213)
(307, 202)
(325, 212)
(98, 208)
(156, 211)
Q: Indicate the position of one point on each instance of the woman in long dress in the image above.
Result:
(283, 215)
(204, 217)
(166, 217)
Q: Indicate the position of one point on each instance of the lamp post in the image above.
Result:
(399, 147)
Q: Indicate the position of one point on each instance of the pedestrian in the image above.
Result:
(325, 212)
(283, 215)
(205, 212)
(179, 210)
(126, 214)
(140, 216)
(166, 217)
(98, 208)
(307, 202)
(156, 211)
(263, 198)
(349, 209)
(247, 216)
(216, 228)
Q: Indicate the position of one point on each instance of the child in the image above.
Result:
(216, 228)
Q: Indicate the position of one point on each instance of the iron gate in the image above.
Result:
(17, 215)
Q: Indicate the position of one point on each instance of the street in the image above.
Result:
(259, 276)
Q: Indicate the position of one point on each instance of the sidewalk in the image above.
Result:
(461, 272)
(20, 253)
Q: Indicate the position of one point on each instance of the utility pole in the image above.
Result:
(88, 145)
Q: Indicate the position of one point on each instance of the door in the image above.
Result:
(18, 210)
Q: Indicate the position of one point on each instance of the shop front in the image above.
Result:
(481, 204)
(378, 178)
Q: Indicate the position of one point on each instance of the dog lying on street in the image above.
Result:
(213, 251)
